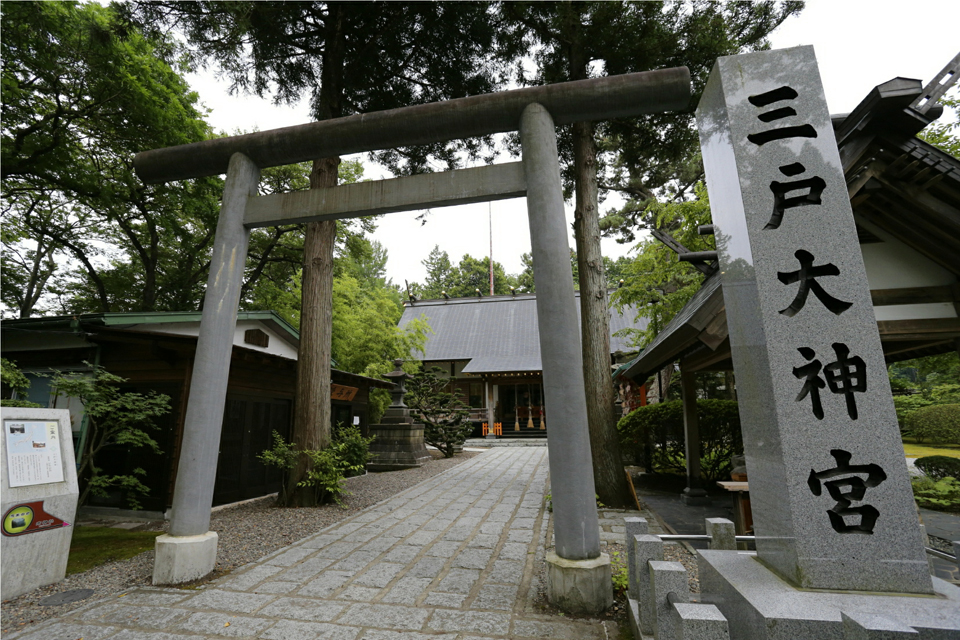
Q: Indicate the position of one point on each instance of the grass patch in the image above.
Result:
(914, 450)
(93, 546)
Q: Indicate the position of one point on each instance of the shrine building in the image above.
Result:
(489, 348)
(155, 352)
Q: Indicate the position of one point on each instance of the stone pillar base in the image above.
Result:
(695, 497)
(579, 586)
(184, 558)
(762, 606)
(397, 447)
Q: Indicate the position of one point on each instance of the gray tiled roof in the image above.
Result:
(497, 333)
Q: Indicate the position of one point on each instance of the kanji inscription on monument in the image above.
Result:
(831, 497)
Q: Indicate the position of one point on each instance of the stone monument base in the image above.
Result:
(184, 558)
(579, 586)
(396, 447)
(760, 605)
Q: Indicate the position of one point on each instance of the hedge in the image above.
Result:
(940, 423)
(939, 467)
(662, 426)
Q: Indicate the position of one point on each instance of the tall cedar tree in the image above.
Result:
(574, 40)
(350, 57)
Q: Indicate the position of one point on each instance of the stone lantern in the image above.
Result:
(399, 439)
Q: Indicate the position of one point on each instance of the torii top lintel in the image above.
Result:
(582, 100)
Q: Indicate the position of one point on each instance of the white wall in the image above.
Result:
(893, 265)
(277, 345)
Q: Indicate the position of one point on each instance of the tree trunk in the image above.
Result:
(608, 474)
(311, 422)
(311, 425)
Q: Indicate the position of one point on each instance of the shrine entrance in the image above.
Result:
(189, 552)
(521, 407)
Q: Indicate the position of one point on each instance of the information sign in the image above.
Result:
(33, 452)
(29, 517)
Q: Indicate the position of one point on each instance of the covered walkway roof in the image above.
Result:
(904, 192)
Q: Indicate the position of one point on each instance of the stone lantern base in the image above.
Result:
(397, 446)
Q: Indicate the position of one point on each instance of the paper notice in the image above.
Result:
(33, 452)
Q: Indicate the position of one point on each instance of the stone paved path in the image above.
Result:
(453, 558)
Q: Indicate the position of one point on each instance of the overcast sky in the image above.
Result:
(859, 44)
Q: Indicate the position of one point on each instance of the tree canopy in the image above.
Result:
(462, 280)
(655, 281)
(82, 93)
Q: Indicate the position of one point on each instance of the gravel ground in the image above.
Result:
(247, 533)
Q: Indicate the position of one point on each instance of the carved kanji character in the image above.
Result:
(777, 95)
(846, 376)
(806, 276)
(856, 488)
(781, 202)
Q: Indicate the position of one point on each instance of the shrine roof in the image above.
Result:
(497, 333)
(900, 187)
(682, 334)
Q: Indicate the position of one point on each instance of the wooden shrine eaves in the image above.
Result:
(424, 191)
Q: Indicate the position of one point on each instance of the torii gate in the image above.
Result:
(579, 575)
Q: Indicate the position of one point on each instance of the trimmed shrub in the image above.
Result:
(940, 423)
(939, 467)
(661, 425)
(942, 495)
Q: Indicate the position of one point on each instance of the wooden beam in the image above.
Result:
(914, 295)
(897, 347)
(932, 329)
(705, 358)
(425, 191)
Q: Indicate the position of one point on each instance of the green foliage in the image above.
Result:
(613, 270)
(940, 423)
(619, 574)
(656, 282)
(327, 469)
(441, 278)
(661, 425)
(16, 382)
(937, 378)
(345, 57)
(445, 416)
(571, 41)
(325, 475)
(525, 283)
(464, 279)
(943, 134)
(83, 91)
(942, 495)
(113, 418)
(939, 467)
(350, 446)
